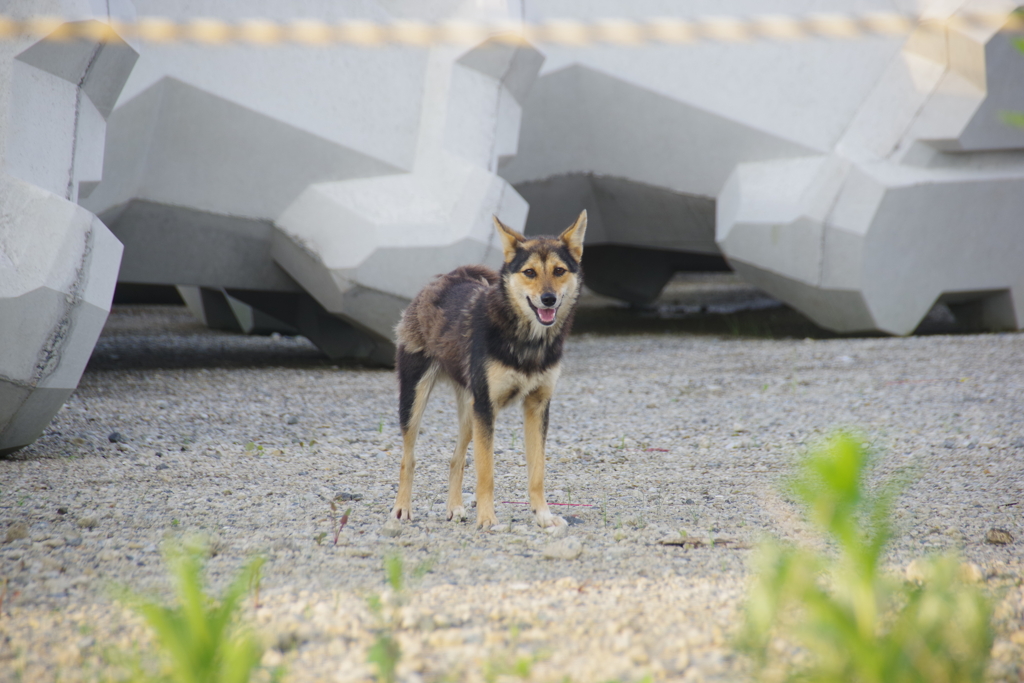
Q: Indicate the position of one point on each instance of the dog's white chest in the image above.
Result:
(507, 385)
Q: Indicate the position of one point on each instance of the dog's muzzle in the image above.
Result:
(547, 310)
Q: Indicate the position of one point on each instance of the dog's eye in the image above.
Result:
(559, 272)
(530, 273)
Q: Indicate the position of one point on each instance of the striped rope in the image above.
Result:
(569, 32)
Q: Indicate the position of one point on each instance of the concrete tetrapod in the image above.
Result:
(58, 262)
(363, 248)
(321, 185)
(60, 267)
(920, 202)
(861, 180)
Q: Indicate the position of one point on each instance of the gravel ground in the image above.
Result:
(247, 439)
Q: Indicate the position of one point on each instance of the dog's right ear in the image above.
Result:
(510, 239)
(573, 236)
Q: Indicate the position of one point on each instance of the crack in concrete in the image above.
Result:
(15, 382)
(79, 92)
(50, 354)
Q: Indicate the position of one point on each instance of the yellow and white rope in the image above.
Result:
(569, 32)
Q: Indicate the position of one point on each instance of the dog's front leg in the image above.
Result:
(483, 460)
(535, 424)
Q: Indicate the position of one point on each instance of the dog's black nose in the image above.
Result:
(548, 299)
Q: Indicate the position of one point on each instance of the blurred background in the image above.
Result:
(303, 167)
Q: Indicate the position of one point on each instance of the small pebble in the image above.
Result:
(87, 522)
(998, 537)
(564, 549)
(970, 573)
(16, 531)
(115, 437)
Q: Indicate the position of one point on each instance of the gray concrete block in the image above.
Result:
(376, 167)
(909, 209)
(53, 304)
(58, 262)
(861, 181)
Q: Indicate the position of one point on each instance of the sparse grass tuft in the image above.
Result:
(850, 620)
(385, 652)
(199, 639)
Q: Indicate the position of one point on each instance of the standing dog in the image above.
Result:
(497, 337)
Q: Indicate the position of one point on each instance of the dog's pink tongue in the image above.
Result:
(547, 315)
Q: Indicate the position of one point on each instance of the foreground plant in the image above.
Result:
(847, 619)
(385, 652)
(199, 639)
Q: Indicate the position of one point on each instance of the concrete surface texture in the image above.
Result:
(861, 181)
(342, 176)
(58, 262)
(918, 201)
(858, 180)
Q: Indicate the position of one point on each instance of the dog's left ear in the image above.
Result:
(573, 236)
(510, 239)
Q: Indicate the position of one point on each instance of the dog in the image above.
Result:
(497, 338)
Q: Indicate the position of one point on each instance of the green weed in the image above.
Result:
(500, 667)
(855, 622)
(385, 652)
(1014, 118)
(200, 640)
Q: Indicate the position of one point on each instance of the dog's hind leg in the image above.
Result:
(535, 424)
(483, 462)
(417, 375)
(464, 400)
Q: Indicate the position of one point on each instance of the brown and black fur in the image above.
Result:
(487, 333)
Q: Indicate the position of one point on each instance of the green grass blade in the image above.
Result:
(1012, 118)
(857, 623)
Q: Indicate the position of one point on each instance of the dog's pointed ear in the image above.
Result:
(573, 236)
(510, 239)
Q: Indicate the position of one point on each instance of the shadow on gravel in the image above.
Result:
(749, 314)
(139, 336)
(769, 322)
(167, 337)
(223, 350)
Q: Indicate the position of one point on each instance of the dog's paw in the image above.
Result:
(547, 520)
(399, 512)
(486, 520)
(457, 514)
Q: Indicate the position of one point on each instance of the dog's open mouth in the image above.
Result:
(546, 316)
